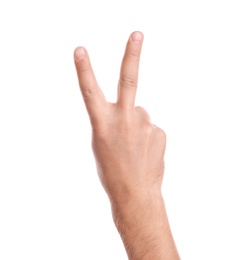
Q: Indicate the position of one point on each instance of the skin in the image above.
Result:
(129, 154)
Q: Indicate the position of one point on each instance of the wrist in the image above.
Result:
(139, 212)
(126, 193)
(144, 206)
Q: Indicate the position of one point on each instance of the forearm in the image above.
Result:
(143, 225)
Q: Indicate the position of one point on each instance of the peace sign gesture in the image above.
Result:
(129, 153)
(123, 137)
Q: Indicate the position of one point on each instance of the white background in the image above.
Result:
(52, 205)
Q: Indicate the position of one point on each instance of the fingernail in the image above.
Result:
(137, 37)
(80, 53)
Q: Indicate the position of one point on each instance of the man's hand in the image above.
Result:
(129, 153)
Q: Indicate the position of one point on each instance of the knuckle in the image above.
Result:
(83, 69)
(148, 129)
(139, 108)
(87, 93)
(142, 112)
(134, 55)
(127, 81)
(161, 133)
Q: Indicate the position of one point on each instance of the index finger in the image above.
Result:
(129, 71)
(92, 94)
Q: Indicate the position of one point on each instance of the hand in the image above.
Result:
(129, 153)
(128, 148)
